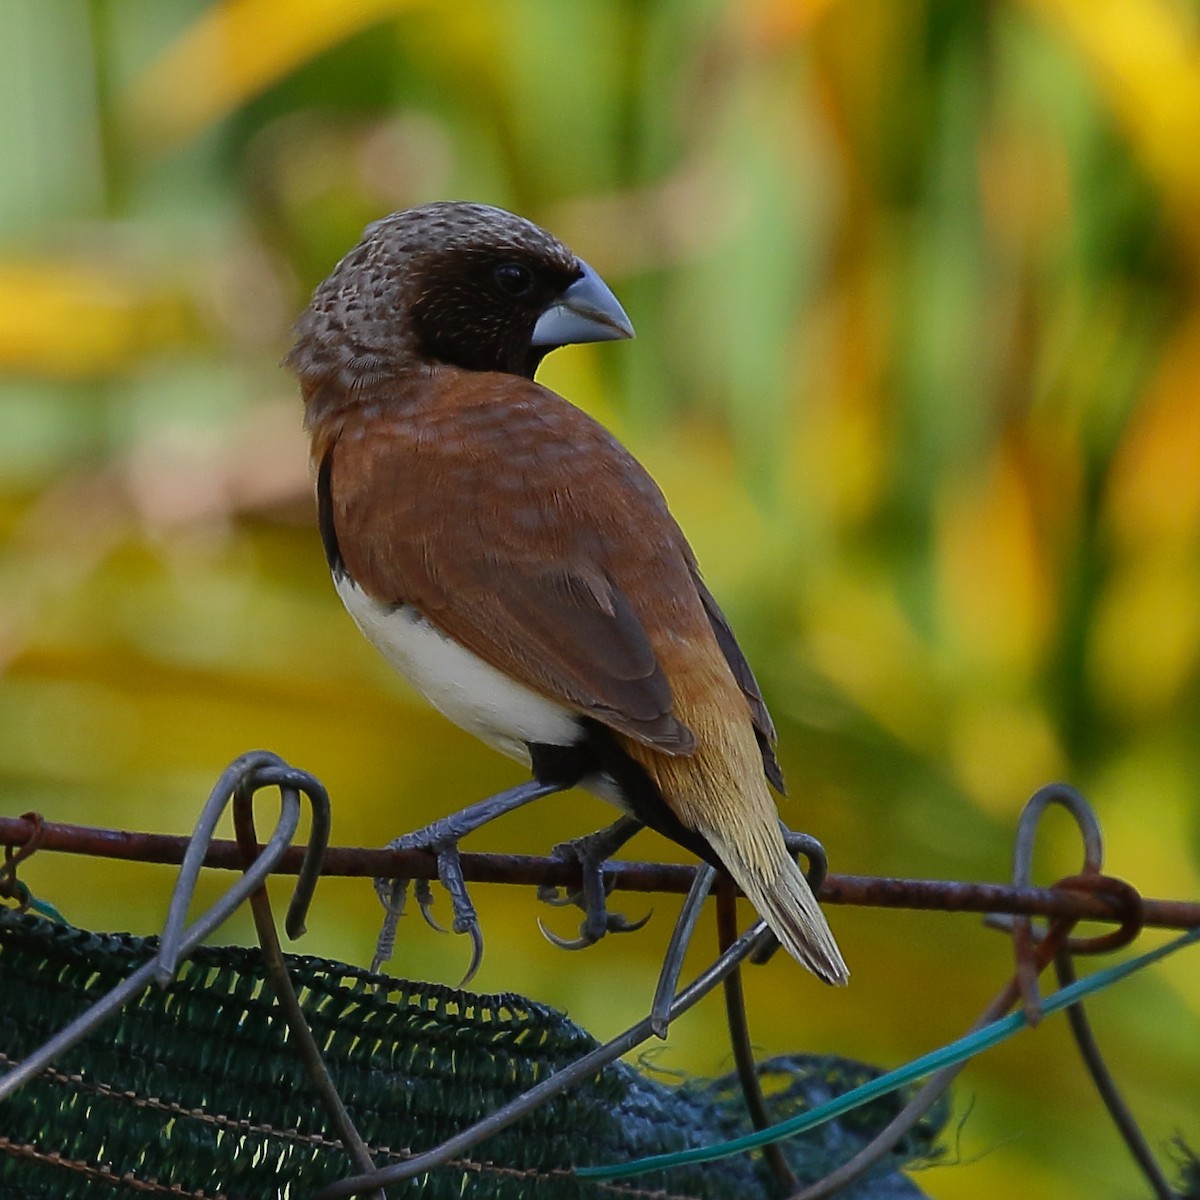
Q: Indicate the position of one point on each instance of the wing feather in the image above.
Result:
(764, 727)
(485, 508)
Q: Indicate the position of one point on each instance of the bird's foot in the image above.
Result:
(441, 839)
(591, 852)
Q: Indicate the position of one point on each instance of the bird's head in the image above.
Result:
(465, 285)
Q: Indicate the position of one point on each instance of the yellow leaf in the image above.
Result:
(783, 21)
(68, 322)
(238, 49)
(994, 582)
(1146, 641)
(1002, 752)
(1154, 485)
(860, 639)
(1145, 56)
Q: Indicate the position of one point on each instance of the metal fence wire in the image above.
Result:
(166, 1067)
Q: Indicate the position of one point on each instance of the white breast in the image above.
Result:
(460, 685)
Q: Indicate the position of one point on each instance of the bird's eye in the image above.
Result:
(513, 279)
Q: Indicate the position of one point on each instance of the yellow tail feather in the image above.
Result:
(787, 904)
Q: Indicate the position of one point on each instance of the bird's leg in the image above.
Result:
(441, 838)
(591, 852)
(593, 849)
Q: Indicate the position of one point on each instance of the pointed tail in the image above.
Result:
(783, 899)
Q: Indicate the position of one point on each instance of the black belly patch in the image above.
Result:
(597, 753)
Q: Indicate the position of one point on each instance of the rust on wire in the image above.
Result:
(935, 895)
(11, 888)
(280, 775)
(1034, 950)
(1089, 895)
(1028, 966)
(742, 1046)
(178, 940)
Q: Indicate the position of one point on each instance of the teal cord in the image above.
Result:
(949, 1055)
(45, 909)
(27, 900)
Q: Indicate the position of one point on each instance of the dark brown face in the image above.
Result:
(463, 285)
(477, 307)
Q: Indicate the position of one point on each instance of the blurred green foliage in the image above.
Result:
(918, 366)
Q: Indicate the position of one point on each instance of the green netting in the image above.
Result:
(193, 1091)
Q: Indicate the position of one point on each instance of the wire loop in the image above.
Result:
(11, 888)
(1089, 894)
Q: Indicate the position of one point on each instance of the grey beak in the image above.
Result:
(586, 312)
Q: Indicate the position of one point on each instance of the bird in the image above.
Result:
(510, 558)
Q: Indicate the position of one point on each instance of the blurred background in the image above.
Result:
(918, 366)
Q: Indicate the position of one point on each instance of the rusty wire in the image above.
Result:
(929, 895)
(179, 941)
(1033, 954)
(11, 888)
(1089, 895)
(268, 938)
(743, 1049)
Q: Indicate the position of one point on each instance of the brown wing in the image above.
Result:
(504, 514)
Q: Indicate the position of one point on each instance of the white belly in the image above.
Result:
(460, 685)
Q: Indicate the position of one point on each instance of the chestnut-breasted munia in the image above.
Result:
(514, 562)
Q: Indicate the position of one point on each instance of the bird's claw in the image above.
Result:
(592, 928)
(423, 894)
(579, 943)
(619, 923)
(441, 839)
(394, 892)
(393, 895)
(556, 897)
(590, 854)
(476, 953)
